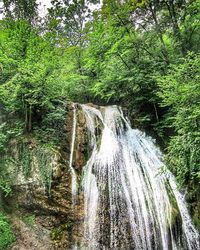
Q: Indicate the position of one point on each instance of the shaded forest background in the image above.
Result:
(142, 55)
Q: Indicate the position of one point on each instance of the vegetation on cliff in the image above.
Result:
(6, 235)
(143, 55)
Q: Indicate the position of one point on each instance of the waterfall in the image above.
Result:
(73, 173)
(131, 201)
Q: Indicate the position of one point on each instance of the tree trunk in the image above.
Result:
(175, 26)
(26, 117)
(30, 119)
(159, 32)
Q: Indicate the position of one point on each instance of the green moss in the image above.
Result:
(196, 216)
(57, 233)
(44, 159)
(41, 155)
(98, 133)
(175, 214)
(99, 142)
(6, 235)
(87, 147)
(29, 220)
(25, 159)
(69, 225)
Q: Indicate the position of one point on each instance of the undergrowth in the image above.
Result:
(6, 235)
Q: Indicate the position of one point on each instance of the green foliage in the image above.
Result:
(56, 234)
(53, 123)
(21, 9)
(180, 91)
(7, 170)
(30, 87)
(6, 235)
(8, 131)
(5, 187)
(25, 159)
(45, 165)
(3, 137)
(31, 156)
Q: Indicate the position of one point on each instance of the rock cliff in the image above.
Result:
(44, 193)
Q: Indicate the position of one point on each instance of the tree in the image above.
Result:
(180, 92)
(24, 88)
(21, 9)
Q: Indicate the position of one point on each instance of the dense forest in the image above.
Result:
(141, 55)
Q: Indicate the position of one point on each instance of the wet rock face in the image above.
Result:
(30, 237)
(52, 210)
(80, 138)
(55, 216)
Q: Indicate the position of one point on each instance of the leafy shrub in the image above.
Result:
(6, 235)
(5, 187)
(180, 92)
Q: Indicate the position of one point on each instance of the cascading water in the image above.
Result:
(130, 201)
(73, 174)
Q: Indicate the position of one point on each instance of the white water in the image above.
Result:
(73, 173)
(129, 202)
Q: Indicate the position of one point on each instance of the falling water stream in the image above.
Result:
(131, 201)
(73, 174)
